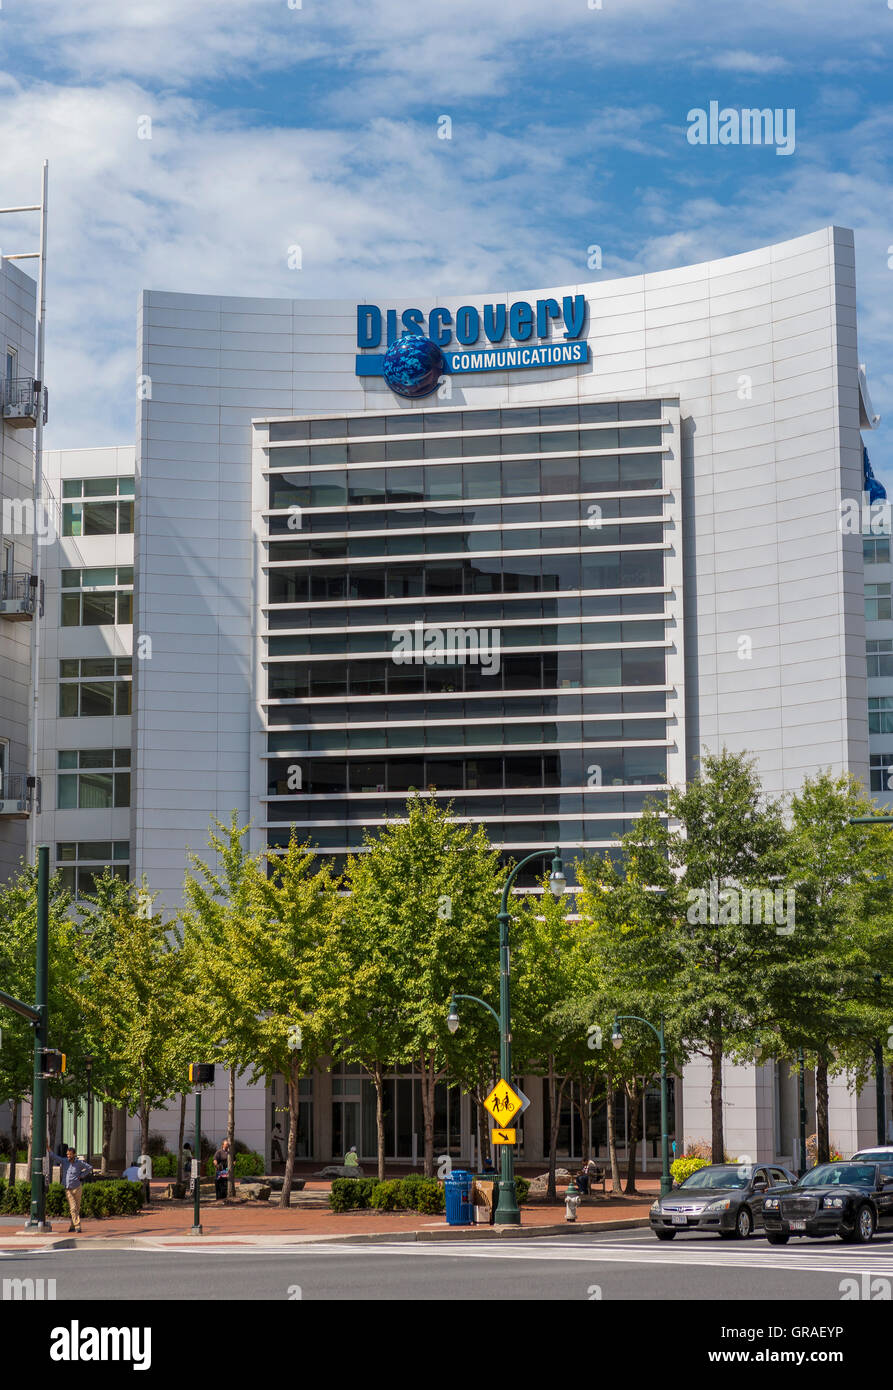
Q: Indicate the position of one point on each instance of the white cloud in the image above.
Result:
(739, 60)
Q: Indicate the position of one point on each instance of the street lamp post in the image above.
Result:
(801, 1094)
(666, 1182)
(507, 1210)
(880, 1085)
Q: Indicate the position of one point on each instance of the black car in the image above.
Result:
(851, 1200)
(726, 1198)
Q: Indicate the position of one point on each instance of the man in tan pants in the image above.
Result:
(74, 1170)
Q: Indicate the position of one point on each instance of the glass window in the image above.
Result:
(598, 412)
(404, 485)
(876, 550)
(328, 490)
(878, 603)
(881, 769)
(100, 487)
(328, 429)
(879, 653)
(404, 424)
(880, 714)
(482, 479)
(321, 454)
(367, 452)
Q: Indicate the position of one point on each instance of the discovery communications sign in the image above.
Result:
(415, 360)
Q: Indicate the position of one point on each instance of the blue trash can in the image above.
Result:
(457, 1189)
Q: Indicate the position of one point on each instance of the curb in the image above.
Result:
(448, 1233)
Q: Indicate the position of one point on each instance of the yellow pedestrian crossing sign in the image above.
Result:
(503, 1136)
(503, 1103)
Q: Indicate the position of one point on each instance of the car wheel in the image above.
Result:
(743, 1224)
(777, 1237)
(864, 1227)
(665, 1235)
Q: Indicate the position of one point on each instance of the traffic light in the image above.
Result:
(53, 1062)
(201, 1073)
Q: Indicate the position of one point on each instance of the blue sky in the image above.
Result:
(317, 125)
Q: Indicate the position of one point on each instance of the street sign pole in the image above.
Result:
(197, 1162)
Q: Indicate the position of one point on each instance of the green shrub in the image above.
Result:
(164, 1166)
(248, 1164)
(387, 1196)
(57, 1204)
(157, 1146)
(351, 1194)
(683, 1168)
(428, 1196)
(17, 1199)
(522, 1187)
(117, 1198)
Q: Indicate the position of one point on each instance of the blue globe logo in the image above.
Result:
(413, 365)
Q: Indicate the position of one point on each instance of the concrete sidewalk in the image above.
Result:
(256, 1223)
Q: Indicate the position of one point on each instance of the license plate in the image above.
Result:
(798, 1225)
(680, 1220)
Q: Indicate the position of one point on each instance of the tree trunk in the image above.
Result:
(585, 1109)
(53, 1126)
(554, 1125)
(143, 1121)
(717, 1138)
(378, 1082)
(180, 1134)
(611, 1119)
(294, 1093)
(231, 1134)
(428, 1083)
(634, 1099)
(823, 1139)
(108, 1119)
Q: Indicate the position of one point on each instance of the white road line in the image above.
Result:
(847, 1265)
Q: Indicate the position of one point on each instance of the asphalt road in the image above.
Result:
(619, 1266)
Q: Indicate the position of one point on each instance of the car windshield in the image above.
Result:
(840, 1175)
(875, 1156)
(718, 1177)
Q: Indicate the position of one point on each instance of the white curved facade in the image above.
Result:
(754, 361)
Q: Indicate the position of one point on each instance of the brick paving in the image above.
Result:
(166, 1220)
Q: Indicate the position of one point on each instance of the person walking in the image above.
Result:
(221, 1171)
(276, 1154)
(74, 1170)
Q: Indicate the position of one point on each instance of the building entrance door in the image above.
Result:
(345, 1128)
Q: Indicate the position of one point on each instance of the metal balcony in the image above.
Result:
(22, 398)
(20, 596)
(17, 797)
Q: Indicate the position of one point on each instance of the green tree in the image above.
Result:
(546, 1033)
(279, 974)
(425, 889)
(219, 904)
(129, 986)
(671, 916)
(822, 993)
(18, 952)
